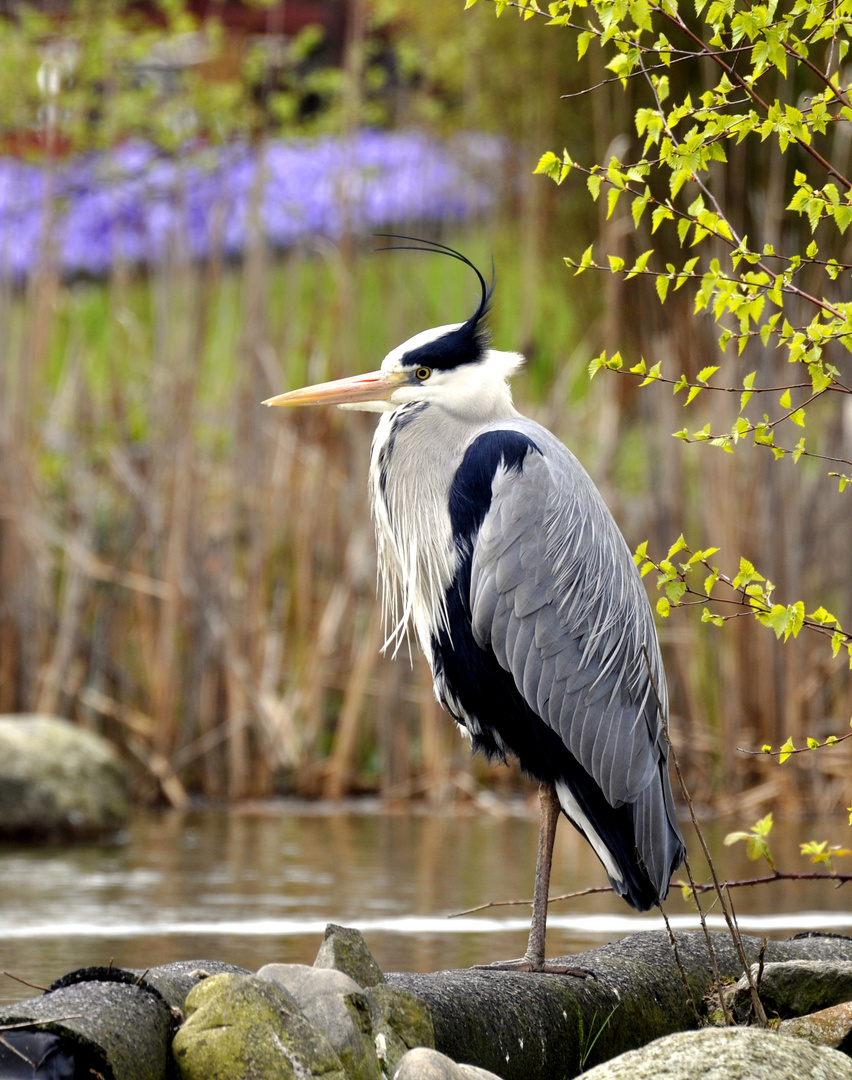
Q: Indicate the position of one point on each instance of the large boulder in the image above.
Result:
(246, 1027)
(57, 780)
(723, 1053)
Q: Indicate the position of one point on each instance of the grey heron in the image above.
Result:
(496, 549)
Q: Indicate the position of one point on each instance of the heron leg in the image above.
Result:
(533, 958)
(550, 810)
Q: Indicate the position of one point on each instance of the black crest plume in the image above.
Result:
(468, 342)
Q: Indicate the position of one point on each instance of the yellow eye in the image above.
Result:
(423, 373)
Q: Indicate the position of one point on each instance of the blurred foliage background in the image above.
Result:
(188, 193)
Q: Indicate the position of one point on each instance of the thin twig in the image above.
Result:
(18, 1053)
(680, 967)
(527, 903)
(711, 950)
(40, 1022)
(692, 886)
(25, 982)
(796, 749)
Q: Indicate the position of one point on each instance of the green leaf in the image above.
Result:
(675, 591)
(547, 162)
(786, 750)
(640, 264)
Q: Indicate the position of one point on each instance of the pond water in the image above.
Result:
(259, 885)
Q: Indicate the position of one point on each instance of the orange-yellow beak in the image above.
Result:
(374, 386)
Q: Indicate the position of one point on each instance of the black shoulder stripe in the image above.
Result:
(470, 491)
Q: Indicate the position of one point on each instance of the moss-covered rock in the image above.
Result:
(240, 1027)
(336, 1005)
(345, 949)
(57, 780)
(400, 1021)
(795, 987)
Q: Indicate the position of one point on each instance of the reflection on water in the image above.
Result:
(251, 888)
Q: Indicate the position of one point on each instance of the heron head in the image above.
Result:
(452, 364)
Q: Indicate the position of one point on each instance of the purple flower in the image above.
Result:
(135, 204)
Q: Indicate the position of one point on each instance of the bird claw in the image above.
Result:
(546, 967)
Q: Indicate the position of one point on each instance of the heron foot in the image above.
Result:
(546, 967)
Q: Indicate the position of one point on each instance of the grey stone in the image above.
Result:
(346, 950)
(725, 1054)
(828, 1027)
(336, 1004)
(795, 988)
(425, 1064)
(240, 1027)
(58, 780)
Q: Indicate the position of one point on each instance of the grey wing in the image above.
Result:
(555, 593)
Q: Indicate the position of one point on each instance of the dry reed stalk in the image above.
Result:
(316, 675)
(340, 762)
(434, 723)
(54, 672)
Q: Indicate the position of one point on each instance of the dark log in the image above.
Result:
(537, 1027)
